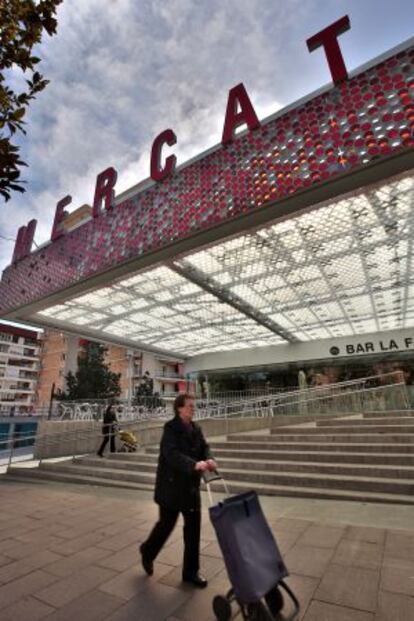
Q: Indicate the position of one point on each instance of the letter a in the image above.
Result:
(238, 96)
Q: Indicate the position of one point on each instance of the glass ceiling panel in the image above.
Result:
(171, 314)
(342, 269)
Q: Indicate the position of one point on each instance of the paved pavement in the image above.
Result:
(70, 553)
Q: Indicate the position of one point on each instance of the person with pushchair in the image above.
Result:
(184, 456)
(109, 429)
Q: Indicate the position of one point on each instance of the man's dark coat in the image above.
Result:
(178, 484)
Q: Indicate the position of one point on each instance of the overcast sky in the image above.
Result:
(121, 71)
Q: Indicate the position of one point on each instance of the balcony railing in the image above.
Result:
(169, 375)
(14, 375)
(24, 355)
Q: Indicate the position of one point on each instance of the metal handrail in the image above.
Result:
(304, 396)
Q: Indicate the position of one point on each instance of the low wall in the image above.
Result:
(67, 438)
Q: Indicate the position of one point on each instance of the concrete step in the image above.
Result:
(302, 436)
(372, 484)
(270, 456)
(368, 422)
(249, 479)
(349, 428)
(28, 474)
(382, 414)
(390, 472)
(316, 456)
(359, 447)
(18, 473)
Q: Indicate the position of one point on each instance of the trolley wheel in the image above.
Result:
(222, 608)
(257, 612)
(274, 600)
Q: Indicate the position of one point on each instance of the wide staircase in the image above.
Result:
(367, 458)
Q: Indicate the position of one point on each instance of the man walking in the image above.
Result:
(184, 455)
(108, 429)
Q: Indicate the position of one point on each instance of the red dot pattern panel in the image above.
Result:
(367, 117)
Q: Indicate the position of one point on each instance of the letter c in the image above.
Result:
(157, 172)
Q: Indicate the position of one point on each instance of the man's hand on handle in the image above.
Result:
(201, 466)
(211, 465)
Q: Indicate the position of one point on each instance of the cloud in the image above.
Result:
(121, 71)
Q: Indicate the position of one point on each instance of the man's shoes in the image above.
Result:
(99, 454)
(146, 563)
(197, 580)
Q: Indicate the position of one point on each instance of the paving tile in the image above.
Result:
(399, 545)
(119, 561)
(5, 560)
(286, 539)
(23, 550)
(358, 553)
(286, 523)
(173, 554)
(67, 589)
(8, 544)
(117, 542)
(209, 567)
(155, 603)
(23, 587)
(199, 605)
(212, 549)
(308, 561)
(19, 568)
(77, 530)
(365, 533)
(41, 538)
(132, 581)
(69, 564)
(116, 527)
(394, 607)
(397, 576)
(349, 586)
(303, 587)
(76, 545)
(27, 609)
(93, 606)
(320, 611)
(321, 536)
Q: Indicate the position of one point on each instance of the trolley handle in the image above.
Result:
(211, 475)
(208, 477)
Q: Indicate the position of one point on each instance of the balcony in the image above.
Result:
(169, 396)
(11, 377)
(167, 374)
(23, 365)
(17, 390)
(16, 403)
(12, 352)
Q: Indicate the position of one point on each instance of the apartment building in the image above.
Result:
(60, 353)
(19, 369)
(58, 356)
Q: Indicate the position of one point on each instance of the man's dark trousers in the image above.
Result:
(108, 437)
(163, 529)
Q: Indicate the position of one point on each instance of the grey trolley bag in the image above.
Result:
(252, 558)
